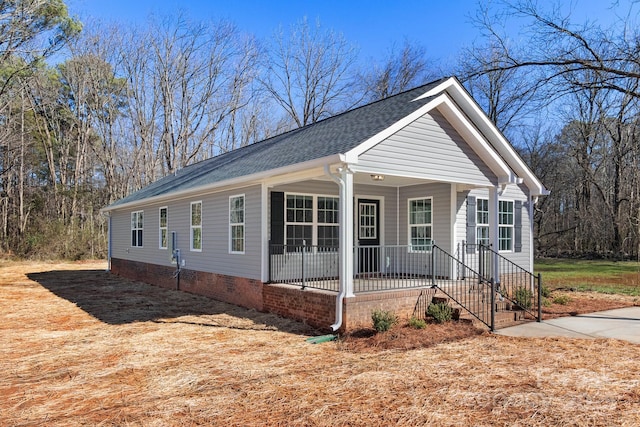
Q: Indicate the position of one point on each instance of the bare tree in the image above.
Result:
(202, 73)
(558, 48)
(309, 73)
(402, 69)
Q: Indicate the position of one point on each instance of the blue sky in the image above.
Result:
(443, 27)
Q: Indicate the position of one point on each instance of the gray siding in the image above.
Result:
(512, 192)
(431, 148)
(441, 212)
(215, 256)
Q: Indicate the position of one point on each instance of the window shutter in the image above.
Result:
(517, 226)
(471, 223)
(277, 218)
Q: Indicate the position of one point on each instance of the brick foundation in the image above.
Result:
(357, 310)
(233, 290)
(314, 307)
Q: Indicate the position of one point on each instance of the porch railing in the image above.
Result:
(464, 285)
(376, 268)
(514, 283)
(469, 279)
(305, 265)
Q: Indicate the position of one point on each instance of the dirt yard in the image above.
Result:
(82, 347)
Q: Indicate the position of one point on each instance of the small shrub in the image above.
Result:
(546, 302)
(546, 291)
(524, 298)
(561, 300)
(417, 323)
(441, 312)
(383, 320)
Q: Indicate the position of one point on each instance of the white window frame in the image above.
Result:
(195, 227)
(410, 226)
(482, 225)
(235, 224)
(163, 229)
(137, 226)
(368, 230)
(314, 216)
(325, 223)
(504, 227)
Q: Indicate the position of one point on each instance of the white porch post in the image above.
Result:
(346, 230)
(493, 231)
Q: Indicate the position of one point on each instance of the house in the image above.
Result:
(372, 208)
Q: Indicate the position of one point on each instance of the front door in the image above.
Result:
(368, 235)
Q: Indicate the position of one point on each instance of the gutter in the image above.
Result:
(241, 180)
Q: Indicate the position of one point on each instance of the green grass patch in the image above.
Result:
(610, 277)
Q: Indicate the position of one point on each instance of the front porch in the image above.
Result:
(485, 292)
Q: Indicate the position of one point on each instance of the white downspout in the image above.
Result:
(109, 241)
(345, 253)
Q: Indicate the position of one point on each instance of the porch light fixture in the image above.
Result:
(377, 177)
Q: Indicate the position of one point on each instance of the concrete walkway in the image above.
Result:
(621, 323)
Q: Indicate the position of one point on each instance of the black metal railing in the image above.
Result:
(305, 265)
(514, 283)
(479, 280)
(463, 285)
(390, 267)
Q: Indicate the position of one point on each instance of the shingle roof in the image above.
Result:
(332, 136)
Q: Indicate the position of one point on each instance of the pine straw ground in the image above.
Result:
(82, 347)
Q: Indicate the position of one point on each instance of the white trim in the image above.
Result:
(460, 122)
(409, 225)
(165, 228)
(192, 227)
(314, 212)
(132, 229)
(453, 217)
(483, 224)
(243, 224)
(264, 231)
(471, 108)
(512, 226)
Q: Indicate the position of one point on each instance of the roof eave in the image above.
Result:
(234, 182)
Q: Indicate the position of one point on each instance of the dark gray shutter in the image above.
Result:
(277, 218)
(471, 223)
(517, 226)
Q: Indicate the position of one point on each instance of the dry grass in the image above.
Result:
(80, 347)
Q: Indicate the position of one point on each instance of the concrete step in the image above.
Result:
(504, 316)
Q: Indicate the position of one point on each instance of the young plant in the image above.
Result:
(417, 323)
(441, 312)
(561, 300)
(383, 320)
(524, 298)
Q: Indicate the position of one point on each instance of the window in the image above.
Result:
(328, 229)
(236, 223)
(482, 222)
(420, 224)
(311, 220)
(196, 226)
(137, 225)
(299, 220)
(505, 225)
(368, 217)
(163, 227)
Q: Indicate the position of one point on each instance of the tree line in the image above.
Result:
(93, 111)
